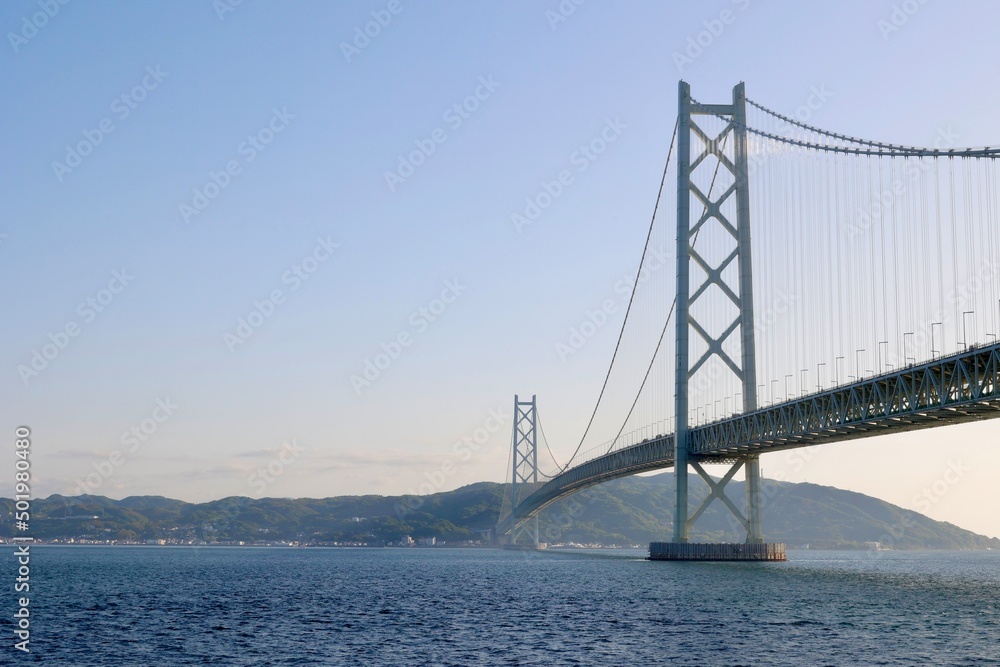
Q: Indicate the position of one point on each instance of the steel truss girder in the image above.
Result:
(652, 454)
(951, 390)
(962, 387)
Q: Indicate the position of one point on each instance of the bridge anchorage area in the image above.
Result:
(771, 551)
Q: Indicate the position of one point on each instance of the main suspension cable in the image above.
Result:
(541, 430)
(673, 306)
(895, 149)
(873, 147)
(628, 309)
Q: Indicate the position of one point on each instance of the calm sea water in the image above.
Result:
(167, 606)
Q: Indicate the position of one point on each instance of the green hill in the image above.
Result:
(633, 510)
(639, 509)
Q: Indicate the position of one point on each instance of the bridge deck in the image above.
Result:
(949, 390)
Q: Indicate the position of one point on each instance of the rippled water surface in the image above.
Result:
(127, 606)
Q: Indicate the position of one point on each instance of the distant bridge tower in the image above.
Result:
(740, 294)
(525, 472)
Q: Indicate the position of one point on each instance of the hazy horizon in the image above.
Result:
(225, 258)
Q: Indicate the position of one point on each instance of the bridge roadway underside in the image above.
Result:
(949, 390)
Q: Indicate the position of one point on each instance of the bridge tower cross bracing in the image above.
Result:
(741, 296)
(525, 468)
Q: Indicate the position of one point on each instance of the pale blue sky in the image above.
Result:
(552, 87)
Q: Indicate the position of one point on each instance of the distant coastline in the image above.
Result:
(619, 514)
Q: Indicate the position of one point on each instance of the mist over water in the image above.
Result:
(167, 606)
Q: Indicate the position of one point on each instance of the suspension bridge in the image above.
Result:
(874, 276)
